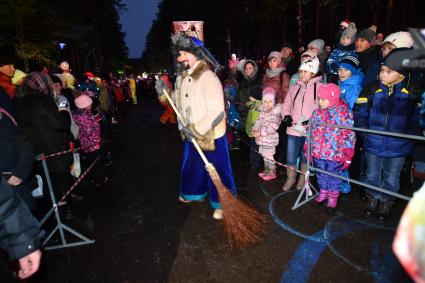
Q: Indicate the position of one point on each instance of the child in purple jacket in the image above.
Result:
(332, 148)
(89, 136)
(265, 132)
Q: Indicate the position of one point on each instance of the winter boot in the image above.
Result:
(269, 176)
(384, 209)
(301, 180)
(333, 196)
(263, 173)
(218, 214)
(290, 179)
(322, 196)
(371, 205)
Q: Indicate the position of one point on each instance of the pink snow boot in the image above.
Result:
(322, 196)
(333, 196)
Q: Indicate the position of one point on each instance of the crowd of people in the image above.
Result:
(46, 113)
(313, 90)
(296, 91)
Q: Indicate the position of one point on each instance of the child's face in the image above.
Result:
(323, 103)
(305, 76)
(344, 74)
(249, 70)
(345, 41)
(267, 104)
(388, 76)
(386, 48)
(273, 63)
(361, 44)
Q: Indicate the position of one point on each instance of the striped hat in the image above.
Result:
(350, 63)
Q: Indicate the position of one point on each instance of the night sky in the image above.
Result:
(136, 22)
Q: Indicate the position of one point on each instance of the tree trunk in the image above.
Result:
(388, 15)
(317, 23)
(300, 23)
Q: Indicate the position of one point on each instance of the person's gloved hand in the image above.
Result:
(159, 86)
(263, 132)
(287, 120)
(348, 154)
(186, 132)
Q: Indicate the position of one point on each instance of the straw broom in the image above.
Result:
(243, 225)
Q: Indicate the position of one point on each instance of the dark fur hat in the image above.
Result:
(183, 42)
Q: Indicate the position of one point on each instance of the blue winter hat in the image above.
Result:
(350, 63)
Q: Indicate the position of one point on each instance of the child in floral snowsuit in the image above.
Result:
(331, 148)
(265, 132)
(89, 136)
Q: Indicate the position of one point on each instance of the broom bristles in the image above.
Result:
(243, 225)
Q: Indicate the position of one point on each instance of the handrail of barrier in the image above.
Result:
(394, 134)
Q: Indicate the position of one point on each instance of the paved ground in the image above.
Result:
(143, 234)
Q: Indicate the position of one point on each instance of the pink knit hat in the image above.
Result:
(330, 92)
(275, 54)
(83, 101)
(269, 93)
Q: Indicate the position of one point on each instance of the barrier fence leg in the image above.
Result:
(61, 227)
(308, 192)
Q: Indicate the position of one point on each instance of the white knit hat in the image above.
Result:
(400, 39)
(310, 65)
(317, 43)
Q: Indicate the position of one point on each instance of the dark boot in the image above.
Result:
(384, 209)
(371, 205)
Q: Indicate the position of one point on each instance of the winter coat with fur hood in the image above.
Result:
(201, 99)
(301, 100)
(267, 125)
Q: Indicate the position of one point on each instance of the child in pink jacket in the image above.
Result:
(299, 104)
(265, 132)
(332, 148)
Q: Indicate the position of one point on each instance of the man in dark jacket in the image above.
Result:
(19, 235)
(16, 156)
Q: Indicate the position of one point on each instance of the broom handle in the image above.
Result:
(180, 117)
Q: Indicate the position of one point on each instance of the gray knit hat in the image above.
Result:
(367, 34)
(350, 32)
(317, 43)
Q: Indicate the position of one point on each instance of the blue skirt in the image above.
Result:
(195, 182)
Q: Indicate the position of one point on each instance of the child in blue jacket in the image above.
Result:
(391, 107)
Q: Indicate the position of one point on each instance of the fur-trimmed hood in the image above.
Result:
(197, 70)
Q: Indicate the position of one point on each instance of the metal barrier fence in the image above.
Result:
(61, 227)
(306, 195)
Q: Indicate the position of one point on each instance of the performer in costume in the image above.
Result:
(199, 98)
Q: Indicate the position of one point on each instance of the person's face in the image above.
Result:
(386, 48)
(286, 52)
(267, 104)
(361, 44)
(8, 70)
(344, 74)
(273, 63)
(57, 87)
(249, 70)
(306, 76)
(345, 41)
(323, 103)
(187, 58)
(388, 76)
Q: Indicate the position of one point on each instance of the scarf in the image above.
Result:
(275, 72)
(40, 82)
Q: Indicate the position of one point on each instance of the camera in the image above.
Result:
(410, 60)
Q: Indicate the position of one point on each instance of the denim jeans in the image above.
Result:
(294, 150)
(255, 159)
(383, 172)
